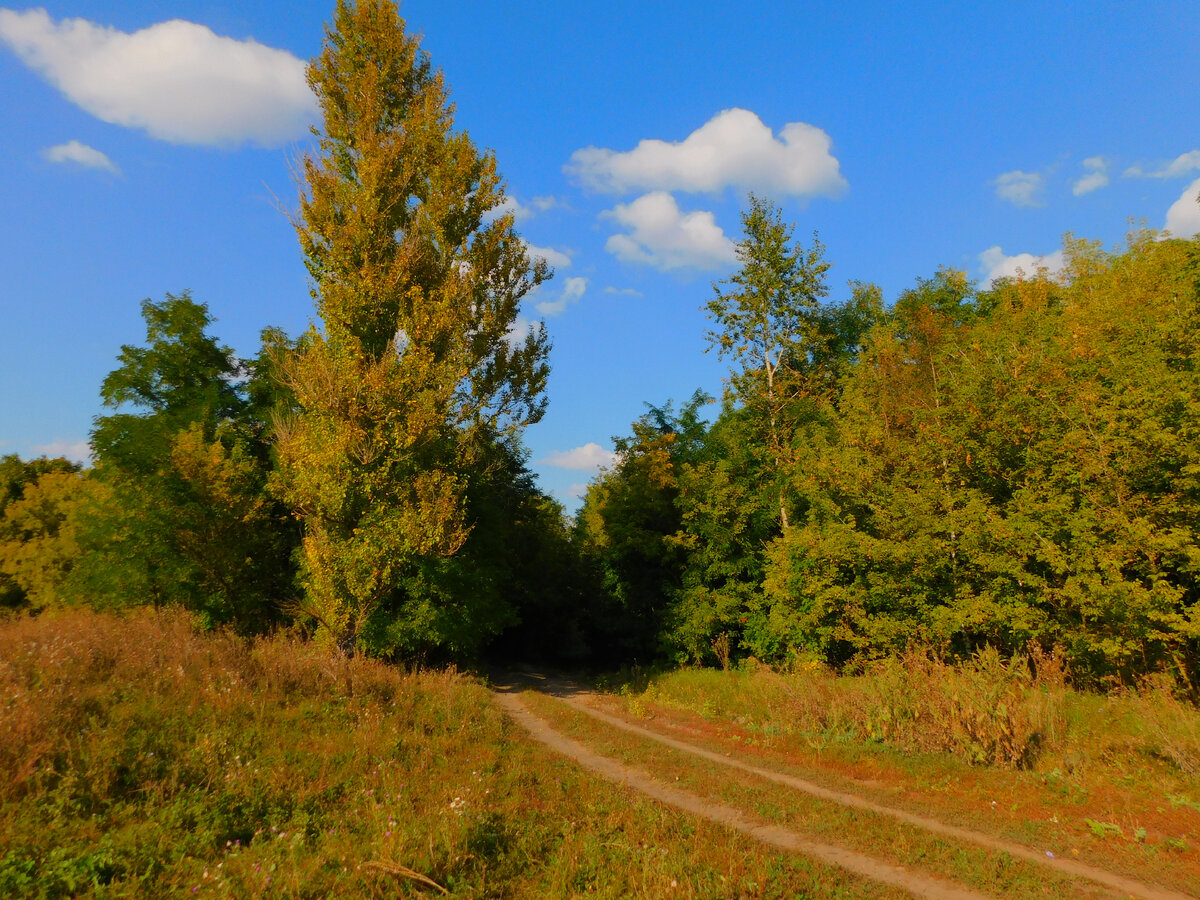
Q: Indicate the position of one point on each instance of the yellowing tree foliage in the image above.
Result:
(1025, 468)
(419, 365)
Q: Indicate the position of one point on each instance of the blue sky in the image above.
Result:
(148, 148)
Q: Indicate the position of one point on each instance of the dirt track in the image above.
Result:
(921, 885)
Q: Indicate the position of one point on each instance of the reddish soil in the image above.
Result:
(863, 865)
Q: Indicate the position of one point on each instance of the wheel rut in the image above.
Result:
(919, 884)
(783, 838)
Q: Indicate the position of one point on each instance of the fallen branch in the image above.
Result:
(404, 872)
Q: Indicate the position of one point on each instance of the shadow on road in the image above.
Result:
(509, 681)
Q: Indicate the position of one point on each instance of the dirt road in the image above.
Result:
(508, 690)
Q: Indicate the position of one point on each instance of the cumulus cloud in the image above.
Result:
(1096, 177)
(80, 154)
(1021, 188)
(1176, 168)
(76, 451)
(995, 264)
(623, 292)
(589, 457)
(662, 236)
(734, 148)
(573, 290)
(555, 258)
(1183, 218)
(177, 80)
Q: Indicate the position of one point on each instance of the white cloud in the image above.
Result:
(1096, 178)
(546, 203)
(578, 490)
(573, 290)
(623, 292)
(589, 457)
(555, 258)
(520, 329)
(1177, 168)
(1020, 188)
(734, 148)
(521, 212)
(508, 205)
(177, 80)
(1183, 218)
(994, 264)
(76, 451)
(664, 237)
(80, 154)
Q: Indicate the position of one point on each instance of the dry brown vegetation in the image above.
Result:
(142, 757)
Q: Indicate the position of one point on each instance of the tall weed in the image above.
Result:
(985, 710)
(1171, 724)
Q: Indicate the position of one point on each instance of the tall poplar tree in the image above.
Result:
(417, 365)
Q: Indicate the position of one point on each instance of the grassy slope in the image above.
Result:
(139, 758)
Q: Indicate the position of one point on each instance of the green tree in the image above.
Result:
(419, 368)
(1014, 466)
(187, 519)
(792, 355)
(728, 511)
(628, 528)
(766, 319)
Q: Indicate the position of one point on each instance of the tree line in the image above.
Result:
(966, 468)
(963, 468)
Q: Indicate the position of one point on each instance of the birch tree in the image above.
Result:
(767, 319)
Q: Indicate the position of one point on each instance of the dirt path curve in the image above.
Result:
(866, 866)
(579, 699)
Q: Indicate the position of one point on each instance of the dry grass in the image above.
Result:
(140, 757)
(1019, 713)
(987, 711)
(1170, 726)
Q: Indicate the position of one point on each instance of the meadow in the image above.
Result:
(141, 756)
